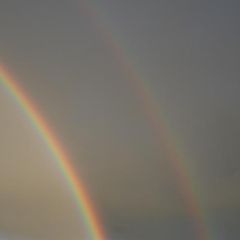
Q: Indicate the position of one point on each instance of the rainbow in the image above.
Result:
(186, 183)
(92, 224)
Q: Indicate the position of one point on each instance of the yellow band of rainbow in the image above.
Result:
(85, 207)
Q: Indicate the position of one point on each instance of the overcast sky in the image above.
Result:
(76, 61)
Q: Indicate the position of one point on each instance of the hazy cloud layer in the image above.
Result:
(187, 54)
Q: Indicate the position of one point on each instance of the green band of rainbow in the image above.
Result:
(85, 207)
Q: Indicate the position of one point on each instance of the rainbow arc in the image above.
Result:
(88, 214)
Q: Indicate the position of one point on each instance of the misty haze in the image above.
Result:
(119, 120)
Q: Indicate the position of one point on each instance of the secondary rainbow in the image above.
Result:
(186, 182)
(92, 224)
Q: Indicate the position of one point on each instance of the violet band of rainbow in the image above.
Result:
(85, 207)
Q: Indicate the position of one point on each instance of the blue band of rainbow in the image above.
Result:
(92, 224)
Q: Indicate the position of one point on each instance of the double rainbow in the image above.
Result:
(156, 119)
(83, 202)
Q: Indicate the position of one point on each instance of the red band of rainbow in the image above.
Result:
(85, 207)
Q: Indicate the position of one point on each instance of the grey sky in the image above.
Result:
(186, 52)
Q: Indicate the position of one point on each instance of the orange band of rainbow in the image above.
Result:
(90, 219)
